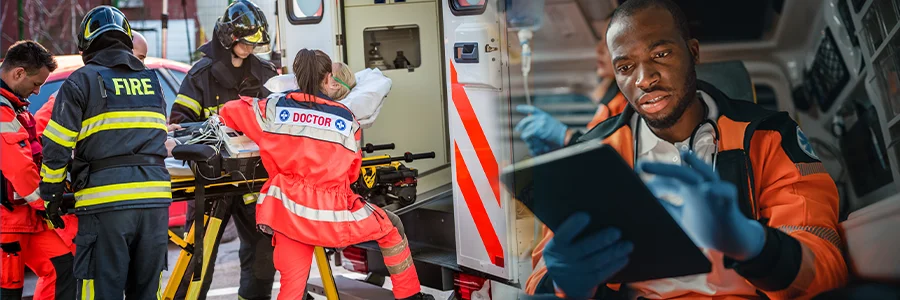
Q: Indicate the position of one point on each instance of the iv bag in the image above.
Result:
(524, 14)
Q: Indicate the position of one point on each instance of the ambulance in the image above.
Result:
(459, 68)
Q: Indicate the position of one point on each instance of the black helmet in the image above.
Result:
(243, 22)
(100, 20)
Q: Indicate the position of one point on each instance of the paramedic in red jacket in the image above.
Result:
(25, 238)
(309, 146)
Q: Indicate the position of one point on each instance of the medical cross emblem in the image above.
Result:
(284, 115)
(340, 125)
(803, 141)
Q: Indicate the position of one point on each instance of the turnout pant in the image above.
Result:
(121, 253)
(293, 259)
(255, 253)
(45, 254)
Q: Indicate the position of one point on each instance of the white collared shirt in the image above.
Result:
(721, 281)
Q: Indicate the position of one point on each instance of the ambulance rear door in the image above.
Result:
(478, 110)
(312, 24)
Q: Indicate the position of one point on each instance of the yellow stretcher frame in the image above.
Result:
(212, 224)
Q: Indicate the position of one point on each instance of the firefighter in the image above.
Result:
(112, 112)
(26, 238)
(42, 117)
(307, 201)
(228, 70)
(543, 133)
(766, 217)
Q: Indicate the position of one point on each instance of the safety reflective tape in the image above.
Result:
(209, 111)
(123, 192)
(52, 175)
(87, 289)
(811, 168)
(34, 196)
(122, 120)
(394, 250)
(189, 103)
(60, 135)
(340, 131)
(824, 233)
(477, 209)
(402, 266)
(320, 215)
(9, 127)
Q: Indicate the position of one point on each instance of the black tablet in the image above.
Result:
(591, 177)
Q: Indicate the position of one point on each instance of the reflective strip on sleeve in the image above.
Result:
(10, 127)
(189, 103)
(123, 192)
(49, 175)
(34, 196)
(313, 214)
(60, 135)
(824, 233)
(87, 289)
(122, 120)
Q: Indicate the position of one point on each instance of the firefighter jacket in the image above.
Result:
(309, 147)
(781, 183)
(19, 175)
(213, 81)
(112, 112)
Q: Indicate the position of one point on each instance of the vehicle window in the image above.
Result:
(179, 75)
(168, 91)
(765, 97)
(468, 7)
(38, 100)
(304, 11)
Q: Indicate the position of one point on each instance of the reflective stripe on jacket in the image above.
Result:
(309, 146)
(111, 108)
(21, 154)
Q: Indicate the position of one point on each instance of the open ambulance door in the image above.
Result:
(402, 38)
(475, 47)
(312, 24)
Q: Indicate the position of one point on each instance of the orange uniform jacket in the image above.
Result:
(612, 104)
(780, 182)
(18, 166)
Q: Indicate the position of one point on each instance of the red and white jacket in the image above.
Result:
(309, 147)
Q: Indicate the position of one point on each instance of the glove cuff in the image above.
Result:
(777, 264)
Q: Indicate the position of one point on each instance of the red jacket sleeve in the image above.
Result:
(17, 164)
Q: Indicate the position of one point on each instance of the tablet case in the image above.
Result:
(593, 178)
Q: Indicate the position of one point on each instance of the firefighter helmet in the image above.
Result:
(100, 20)
(243, 22)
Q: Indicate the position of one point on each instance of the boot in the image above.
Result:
(419, 296)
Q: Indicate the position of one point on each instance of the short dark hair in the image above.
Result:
(631, 7)
(30, 55)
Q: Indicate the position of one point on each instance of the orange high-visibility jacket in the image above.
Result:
(308, 145)
(21, 151)
(780, 182)
(612, 104)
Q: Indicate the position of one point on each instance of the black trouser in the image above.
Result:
(257, 266)
(121, 253)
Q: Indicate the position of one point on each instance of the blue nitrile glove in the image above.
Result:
(540, 131)
(577, 267)
(705, 206)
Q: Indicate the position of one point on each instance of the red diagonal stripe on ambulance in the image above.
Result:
(476, 208)
(476, 134)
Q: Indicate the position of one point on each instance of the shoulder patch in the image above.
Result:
(804, 144)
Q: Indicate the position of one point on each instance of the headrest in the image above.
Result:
(730, 77)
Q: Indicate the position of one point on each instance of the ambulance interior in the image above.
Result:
(832, 64)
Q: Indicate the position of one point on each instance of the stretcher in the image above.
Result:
(231, 179)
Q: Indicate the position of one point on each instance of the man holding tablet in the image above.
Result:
(741, 181)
